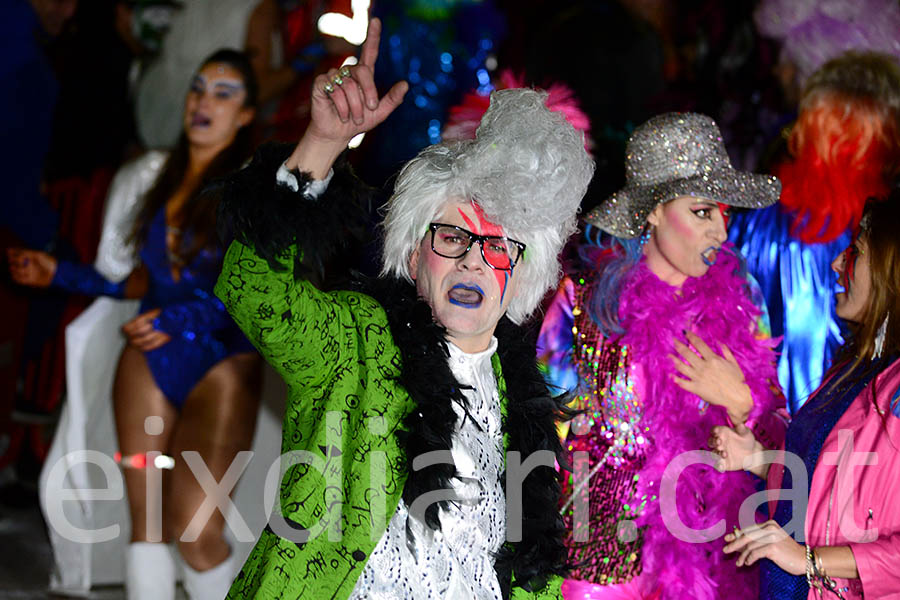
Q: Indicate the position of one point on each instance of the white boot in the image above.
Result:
(149, 571)
(211, 584)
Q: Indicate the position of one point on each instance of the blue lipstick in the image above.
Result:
(711, 251)
(468, 288)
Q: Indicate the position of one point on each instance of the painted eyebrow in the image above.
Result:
(231, 84)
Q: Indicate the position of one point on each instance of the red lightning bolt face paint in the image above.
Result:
(855, 277)
(725, 211)
(464, 298)
(850, 255)
(486, 227)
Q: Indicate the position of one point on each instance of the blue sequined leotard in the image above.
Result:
(202, 332)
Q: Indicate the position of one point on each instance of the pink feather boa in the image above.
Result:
(716, 307)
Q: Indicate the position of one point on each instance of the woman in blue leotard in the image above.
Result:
(187, 378)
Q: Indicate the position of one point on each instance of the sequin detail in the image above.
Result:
(605, 548)
(606, 394)
(457, 561)
(202, 332)
(678, 154)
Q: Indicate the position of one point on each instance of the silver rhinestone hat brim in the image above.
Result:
(678, 154)
(624, 214)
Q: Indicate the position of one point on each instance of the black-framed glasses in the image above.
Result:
(450, 241)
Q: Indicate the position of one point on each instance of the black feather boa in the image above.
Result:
(257, 211)
(271, 218)
(530, 425)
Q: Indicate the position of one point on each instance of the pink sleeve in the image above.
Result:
(877, 563)
(770, 427)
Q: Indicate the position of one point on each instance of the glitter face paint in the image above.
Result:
(725, 211)
(214, 108)
(486, 227)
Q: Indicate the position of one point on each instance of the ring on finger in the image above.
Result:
(344, 71)
(338, 80)
(328, 88)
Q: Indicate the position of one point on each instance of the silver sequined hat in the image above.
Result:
(677, 154)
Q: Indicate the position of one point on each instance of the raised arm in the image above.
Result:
(345, 103)
(280, 219)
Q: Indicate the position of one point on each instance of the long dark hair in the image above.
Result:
(879, 227)
(199, 211)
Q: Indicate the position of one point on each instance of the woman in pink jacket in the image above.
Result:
(847, 436)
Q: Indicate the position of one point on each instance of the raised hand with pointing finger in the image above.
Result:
(345, 103)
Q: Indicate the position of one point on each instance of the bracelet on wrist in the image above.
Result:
(816, 576)
(810, 568)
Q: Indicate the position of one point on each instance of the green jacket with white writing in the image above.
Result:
(369, 388)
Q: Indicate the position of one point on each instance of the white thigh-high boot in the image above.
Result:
(211, 584)
(149, 571)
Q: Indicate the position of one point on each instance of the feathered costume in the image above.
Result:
(465, 117)
(789, 248)
(637, 422)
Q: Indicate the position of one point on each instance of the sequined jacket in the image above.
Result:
(369, 387)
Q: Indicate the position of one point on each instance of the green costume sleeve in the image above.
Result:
(336, 354)
(292, 324)
(264, 284)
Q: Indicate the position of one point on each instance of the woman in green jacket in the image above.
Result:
(419, 438)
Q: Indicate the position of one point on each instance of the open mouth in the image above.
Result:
(709, 256)
(199, 120)
(466, 295)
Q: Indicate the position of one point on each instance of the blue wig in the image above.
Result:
(619, 257)
(624, 255)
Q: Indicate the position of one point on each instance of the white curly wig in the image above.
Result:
(526, 168)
